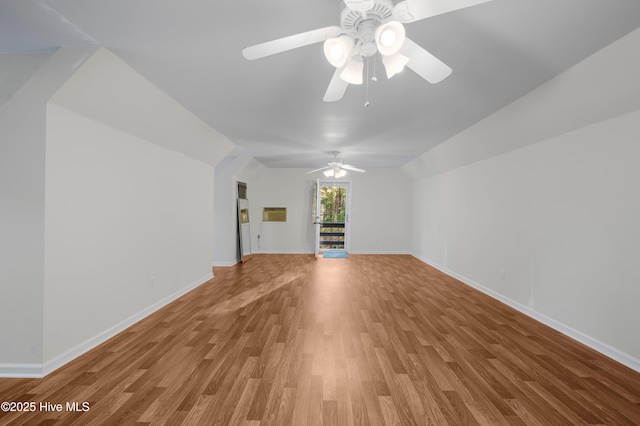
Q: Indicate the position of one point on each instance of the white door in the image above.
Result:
(332, 216)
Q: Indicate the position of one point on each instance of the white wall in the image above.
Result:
(291, 188)
(238, 166)
(378, 196)
(127, 224)
(113, 222)
(381, 212)
(15, 70)
(22, 186)
(106, 89)
(559, 216)
(128, 215)
(603, 86)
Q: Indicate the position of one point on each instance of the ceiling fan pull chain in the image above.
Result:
(374, 78)
(366, 89)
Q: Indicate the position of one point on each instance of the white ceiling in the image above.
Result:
(273, 108)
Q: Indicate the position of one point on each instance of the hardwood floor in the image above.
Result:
(290, 340)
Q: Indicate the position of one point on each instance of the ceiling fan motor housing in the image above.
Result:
(351, 20)
(359, 5)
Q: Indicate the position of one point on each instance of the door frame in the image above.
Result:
(347, 221)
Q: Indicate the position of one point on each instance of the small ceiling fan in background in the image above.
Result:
(336, 169)
(368, 27)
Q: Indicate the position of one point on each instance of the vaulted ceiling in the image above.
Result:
(273, 107)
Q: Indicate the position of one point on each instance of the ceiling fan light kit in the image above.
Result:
(335, 173)
(336, 169)
(352, 72)
(394, 64)
(390, 37)
(338, 49)
(368, 27)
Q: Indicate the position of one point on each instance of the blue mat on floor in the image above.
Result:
(334, 254)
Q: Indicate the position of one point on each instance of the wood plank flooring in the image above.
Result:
(368, 340)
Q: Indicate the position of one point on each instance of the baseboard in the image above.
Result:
(390, 252)
(595, 344)
(225, 263)
(283, 252)
(231, 263)
(262, 251)
(349, 251)
(41, 370)
(21, 371)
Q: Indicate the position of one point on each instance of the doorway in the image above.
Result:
(332, 216)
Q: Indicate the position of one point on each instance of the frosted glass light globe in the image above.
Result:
(388, 37)
(336, 51)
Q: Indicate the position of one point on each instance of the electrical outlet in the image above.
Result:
(152, 281)
(503, 274)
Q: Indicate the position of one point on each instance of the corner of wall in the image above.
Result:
(22, 186)
(563, 104)
(130, 102)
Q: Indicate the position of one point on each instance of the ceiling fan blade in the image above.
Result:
(320, 169)
(337, 87)
(413, 10)
(424, 63)
(351, 168)
(291, 42)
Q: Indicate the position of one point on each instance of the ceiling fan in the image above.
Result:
(368, 27)
(336, 169)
